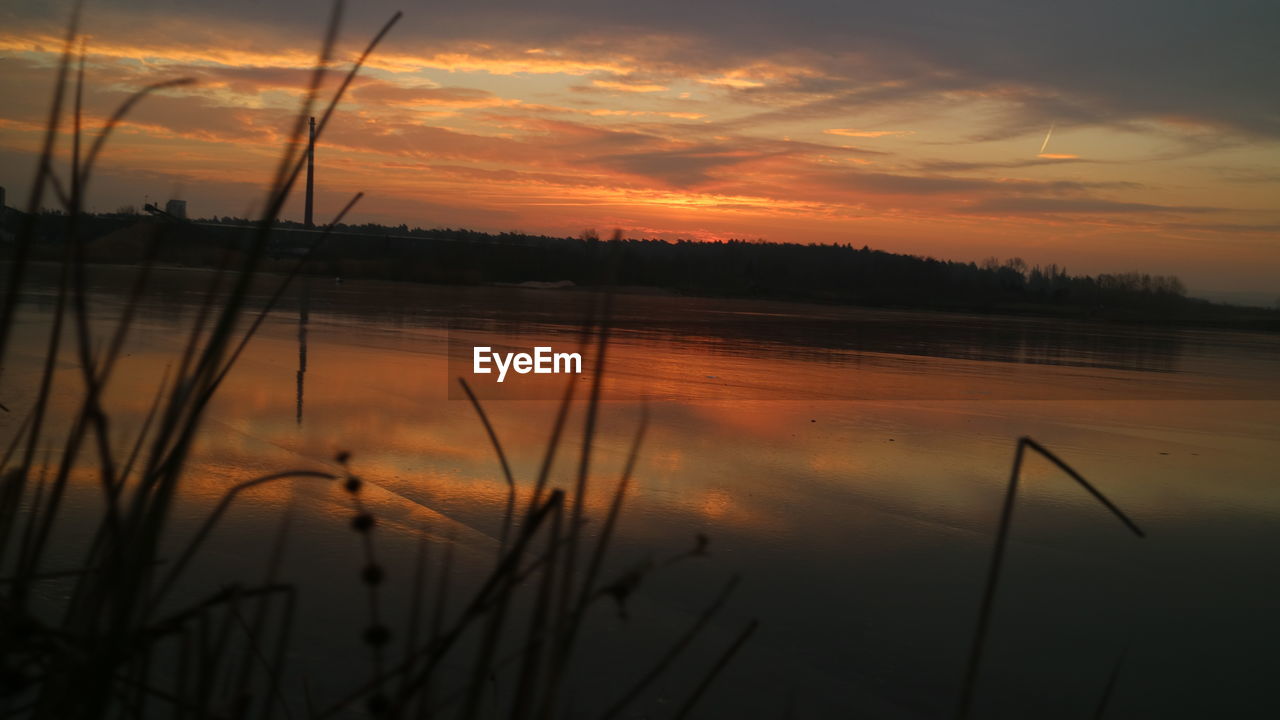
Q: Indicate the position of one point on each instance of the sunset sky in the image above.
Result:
(1104, 136)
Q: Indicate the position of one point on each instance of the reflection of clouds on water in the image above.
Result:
(711, 348)
(860, 527)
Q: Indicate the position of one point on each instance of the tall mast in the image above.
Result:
(311, 170)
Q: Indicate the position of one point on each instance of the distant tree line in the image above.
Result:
(836, 273)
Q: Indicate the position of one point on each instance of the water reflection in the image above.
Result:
(861, 528)
(304, 302)
(708, 331)
(831, 335)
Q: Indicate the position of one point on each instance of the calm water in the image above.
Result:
(847, 464)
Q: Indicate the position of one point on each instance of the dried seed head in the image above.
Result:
(372, 574)
(362, 523)
(353, 484)
(377, 635)
(342, 457)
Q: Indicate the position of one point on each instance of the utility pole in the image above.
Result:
(311, 170)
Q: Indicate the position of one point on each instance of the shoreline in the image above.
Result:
(1263, 321)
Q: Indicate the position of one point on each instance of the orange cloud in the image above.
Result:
(850, 132)
(156, 50)
(498, 62)
(674, 143)
(732, 81)
(628, 87)
(230, 51)
(385, 93)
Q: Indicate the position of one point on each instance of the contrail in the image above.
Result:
(1048, 135)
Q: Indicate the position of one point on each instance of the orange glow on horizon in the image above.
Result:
(559, 138)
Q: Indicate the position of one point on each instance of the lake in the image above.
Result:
(847, 464)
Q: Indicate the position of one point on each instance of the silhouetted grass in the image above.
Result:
(123, 646)
(974, 667)
(127, 643)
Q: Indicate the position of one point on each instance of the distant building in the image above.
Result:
(177, 208)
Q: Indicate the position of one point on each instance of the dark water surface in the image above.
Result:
(848, 464)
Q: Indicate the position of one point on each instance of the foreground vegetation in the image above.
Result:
(134, 630)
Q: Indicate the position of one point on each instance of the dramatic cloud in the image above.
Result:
(850, 132)
(955, 128)
(1091, 206)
